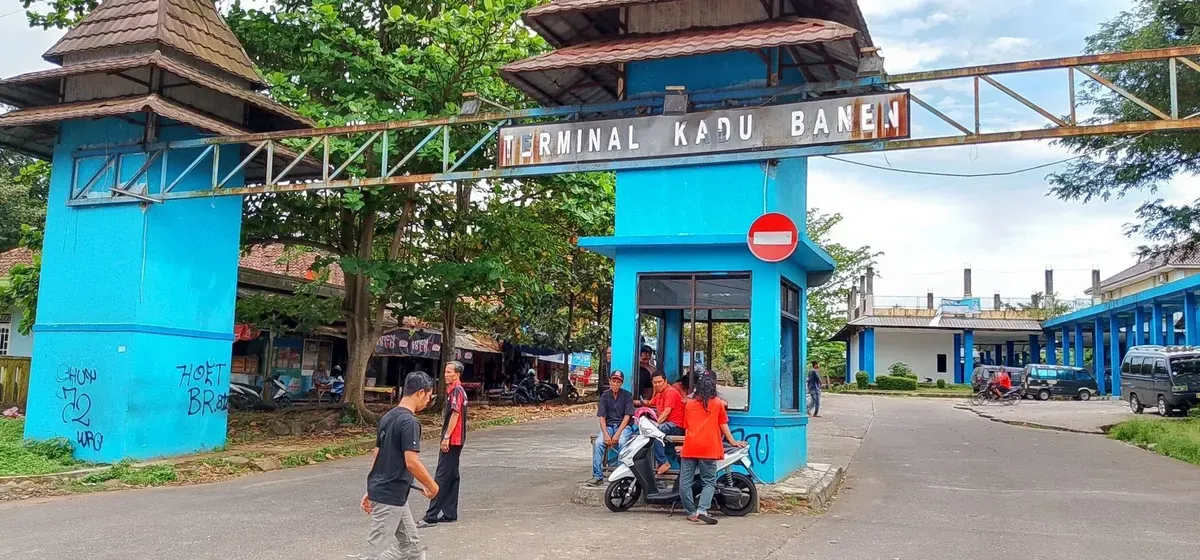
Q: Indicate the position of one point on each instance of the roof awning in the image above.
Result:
(33, 130)
(589, 73)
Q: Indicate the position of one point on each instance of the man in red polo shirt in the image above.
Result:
(444, 507)
(668, 403)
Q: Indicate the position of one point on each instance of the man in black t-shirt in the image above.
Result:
(397, 462)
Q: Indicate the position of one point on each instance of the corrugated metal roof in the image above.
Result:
(940, 323)
(41, 88)
(584, 73)
(191, 26)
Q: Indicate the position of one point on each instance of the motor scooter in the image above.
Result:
(634, 478)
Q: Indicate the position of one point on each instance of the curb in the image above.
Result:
(904, 395)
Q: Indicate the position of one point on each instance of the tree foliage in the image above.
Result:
(1119, 165)
(20, 289)
(827, 303)
(24, 186)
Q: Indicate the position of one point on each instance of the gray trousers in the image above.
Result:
(393, 534)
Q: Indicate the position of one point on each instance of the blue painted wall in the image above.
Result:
(131, 300)
(696, 73)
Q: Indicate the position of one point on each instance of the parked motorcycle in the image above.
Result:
(571, 391)
(244, 397)
(547, 391)
(526, 392)
(634, 479)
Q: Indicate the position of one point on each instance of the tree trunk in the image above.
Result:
(268, 367)
(567, 347)
(449, 336)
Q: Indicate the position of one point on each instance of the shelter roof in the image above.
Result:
(939, 323)
(43, 87)
(571, 22)
(587, 73)
(1151, 265)
(191, 26)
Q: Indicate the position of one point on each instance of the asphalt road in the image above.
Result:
(929, 483)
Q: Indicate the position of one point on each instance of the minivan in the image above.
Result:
(1167, 376)
(1043, 381)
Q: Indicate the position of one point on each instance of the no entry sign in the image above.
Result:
(773, 237)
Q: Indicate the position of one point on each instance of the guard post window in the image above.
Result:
(694, 322)
(790, 368)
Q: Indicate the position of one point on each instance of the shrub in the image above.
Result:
(901, 369)
(890, 383)
(862, 379)
(29, 457)
(941, 384)
(1194, 412)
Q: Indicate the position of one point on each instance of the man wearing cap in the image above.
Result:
(614, 412)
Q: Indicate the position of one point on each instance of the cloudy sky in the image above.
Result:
(1006, 229)
(929, 228)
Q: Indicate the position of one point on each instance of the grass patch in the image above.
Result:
(30, 457)
(153, 475)
(320, 456)
(1179, 439)
(492, 423)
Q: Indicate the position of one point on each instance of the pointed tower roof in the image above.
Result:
(192, 27)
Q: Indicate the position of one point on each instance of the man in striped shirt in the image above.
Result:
(444, 508)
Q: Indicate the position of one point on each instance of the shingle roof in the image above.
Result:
(191, 26)
(584, 73)
(1149, 265)
(42, 87)
(13, 257)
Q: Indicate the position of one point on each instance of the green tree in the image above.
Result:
(24, 186)
(20, 289)
(827, 303)
(1120, 165)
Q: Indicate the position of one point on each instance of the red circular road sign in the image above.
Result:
(773, 237)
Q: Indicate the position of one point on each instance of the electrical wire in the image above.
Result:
(12, 13)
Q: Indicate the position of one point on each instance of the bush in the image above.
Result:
(901, 369)
(941, 384)
(862, 379)
(30, 457)
(890, 383)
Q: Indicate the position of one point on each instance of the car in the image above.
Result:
(1043, 381)
(1168, 376)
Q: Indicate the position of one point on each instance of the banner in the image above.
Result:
(415, 343)
(964, 306)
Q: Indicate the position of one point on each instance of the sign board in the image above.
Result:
(964, 306)
(415, 343)
(807, 123)
(773, 237)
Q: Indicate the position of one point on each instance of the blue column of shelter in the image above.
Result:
(1114, 346)
(1098, 360)
(958, 366)
(1078, 345)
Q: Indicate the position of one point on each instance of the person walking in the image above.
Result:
(444, 508)
(814, 387)
(397, 461)
(705, 421)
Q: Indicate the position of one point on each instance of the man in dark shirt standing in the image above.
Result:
(814, 387)
(614, 412)
(444, 508)
(397, 462)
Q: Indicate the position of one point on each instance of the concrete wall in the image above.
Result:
(918, 349)
(1148, 283)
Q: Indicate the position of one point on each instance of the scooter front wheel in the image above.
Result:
(622, 494)
(738, 496)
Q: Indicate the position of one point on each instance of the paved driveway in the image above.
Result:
(930, 482)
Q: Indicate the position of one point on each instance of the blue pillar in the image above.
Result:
(1010, 353)
(1066, 345)
(670, 362)
(1051, 348)
(968, 355)
(861, 365)
(1156, 324)
(1078, 345)
(957, 357)
(1098, 354)
(1035, 350)
(849, 370)
(1114, 350)
(1139, 327)
(1190, 328)
(869, 353)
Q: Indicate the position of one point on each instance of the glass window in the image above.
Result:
(731, 362)
(1084, 375)
(731, 291)
(1142, 366)
(790, 367)
(1065, 375)
(941, 363)
(1184, 367)
(1160, 367)
(1125, 365)
(664, 292)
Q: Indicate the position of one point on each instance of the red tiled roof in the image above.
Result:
(581, 5)
(630, 48)
(275, 259)
(13, 257)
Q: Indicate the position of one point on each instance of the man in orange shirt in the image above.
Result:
(668, 403)
(1001, 383)
(706, 422)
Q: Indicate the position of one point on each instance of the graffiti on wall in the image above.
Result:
(202, 380)
(759, 444)
(74, 384)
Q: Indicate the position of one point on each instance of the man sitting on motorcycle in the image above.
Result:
(1000, 384)
(668, 403)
